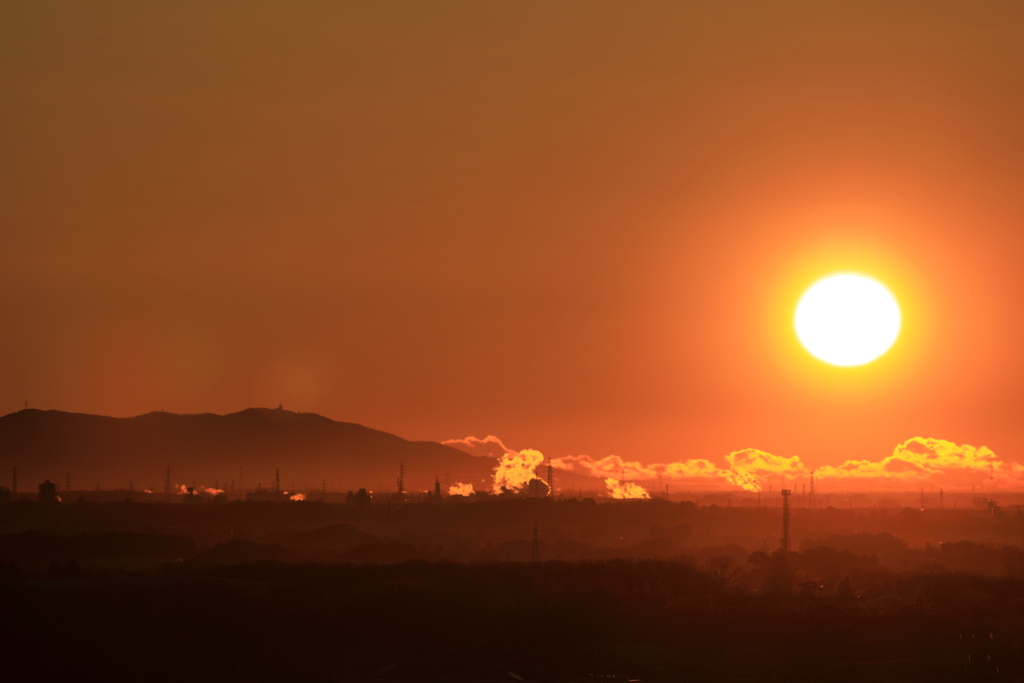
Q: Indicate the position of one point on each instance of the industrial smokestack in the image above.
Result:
(785, 520)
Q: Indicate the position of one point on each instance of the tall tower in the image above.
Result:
(812, 489)
(551, 479)
(535, 552)
(401, 478)
(437, 487)
(785, 520)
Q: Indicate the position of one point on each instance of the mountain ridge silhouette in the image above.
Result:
(206, 448)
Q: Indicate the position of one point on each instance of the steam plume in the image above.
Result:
(515, 470)
(488, 447)
(461, 490)
(914, 462)
(933, 460)
(198, 491)
(621, 490)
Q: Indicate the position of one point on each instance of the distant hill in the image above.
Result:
(208, 448)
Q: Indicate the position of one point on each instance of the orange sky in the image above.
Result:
(579, 226)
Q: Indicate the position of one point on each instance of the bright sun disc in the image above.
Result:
(847, 320)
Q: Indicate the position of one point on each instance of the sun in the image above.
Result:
(847, 320)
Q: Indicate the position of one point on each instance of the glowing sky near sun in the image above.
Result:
(584, 227)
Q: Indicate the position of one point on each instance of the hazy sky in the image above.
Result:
(580, 226)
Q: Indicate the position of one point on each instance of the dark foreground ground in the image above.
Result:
(648, 620)
(637, 591)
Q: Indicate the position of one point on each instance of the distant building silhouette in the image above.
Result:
(359, 499)
(537, 488)
(48, 493)
(265, 495)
